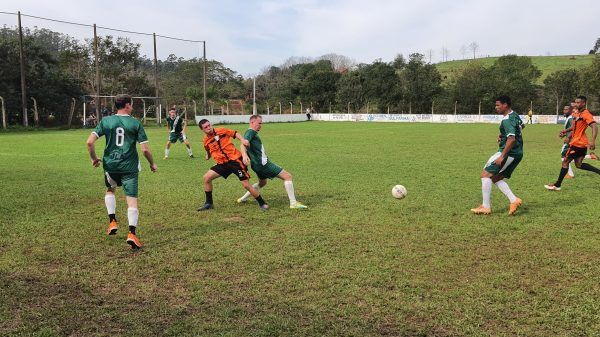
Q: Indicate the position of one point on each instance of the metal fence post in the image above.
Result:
(23, 84)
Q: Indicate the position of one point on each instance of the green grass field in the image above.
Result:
(357, 263)
(546, 64)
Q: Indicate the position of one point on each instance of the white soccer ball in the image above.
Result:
(399, 191)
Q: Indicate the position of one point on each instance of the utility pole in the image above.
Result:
(23, 84)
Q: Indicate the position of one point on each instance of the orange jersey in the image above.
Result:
(581, 121)
(220, 145)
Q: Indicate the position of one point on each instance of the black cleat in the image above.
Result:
(191, 156)
(205, 207)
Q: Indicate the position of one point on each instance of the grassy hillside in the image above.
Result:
(547, 64)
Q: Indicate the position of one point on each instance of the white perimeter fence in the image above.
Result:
(393, 118)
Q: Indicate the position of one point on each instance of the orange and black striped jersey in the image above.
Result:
(581, 121)
(220, 145)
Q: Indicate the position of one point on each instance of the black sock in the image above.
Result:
(588, 167)
(561, 176)
(112, 217)
(208, 197)
(260, 200)
(132, 229)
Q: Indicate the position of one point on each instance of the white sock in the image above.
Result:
(111, 203)
(132, 216)
(190, 151)
(289, 188)
(247, 195)
(503, 186)
(571, 173)
(167, 152)
(486, 190)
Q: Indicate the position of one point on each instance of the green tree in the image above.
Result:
(561, 87)
(421, 82)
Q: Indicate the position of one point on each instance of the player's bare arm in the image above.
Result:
(510, 142)
(92, 149)
(594, 127)
(148, 155)
(242, 139)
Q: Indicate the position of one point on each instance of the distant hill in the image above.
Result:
(547, 64)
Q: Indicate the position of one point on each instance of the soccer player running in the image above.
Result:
(502, 164)
(121, 162)
(579, 143)
(218, 145)
(263, 167)
(176, 126)
(566, 134)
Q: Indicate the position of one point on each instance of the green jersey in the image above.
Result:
(256, 151)
(568, 124)
(175, 124)
(511, 125)
(122, 132)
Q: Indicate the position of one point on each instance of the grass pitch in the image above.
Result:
(357, 263)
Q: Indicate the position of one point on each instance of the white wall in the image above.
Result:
(242, 119)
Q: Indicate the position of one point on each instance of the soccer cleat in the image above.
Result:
(264, 207)
(191, 156)
(298, 205)
(166, 157)
(593, 156)
(241, 200)
(205, 207)
(133, 241)
(568, 176)
(514, 206)
(481, 210)
(112, 228)
(551, 187)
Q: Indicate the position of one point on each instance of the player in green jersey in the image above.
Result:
(121, 162)
(176, 126)
(566, 133)
(502, 164)
(264, 168)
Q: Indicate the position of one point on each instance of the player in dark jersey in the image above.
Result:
(121, 162)
(176, 126)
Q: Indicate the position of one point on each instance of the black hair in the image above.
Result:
(122, 100)
(504, 100)
(202, 122)
(583, 98)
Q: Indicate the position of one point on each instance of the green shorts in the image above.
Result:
(129, 181)
(267, 171)
(174, 137)
(509, 164)
(563, 152)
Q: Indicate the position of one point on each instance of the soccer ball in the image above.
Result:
(399, 191)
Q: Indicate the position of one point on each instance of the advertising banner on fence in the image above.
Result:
(428, 118)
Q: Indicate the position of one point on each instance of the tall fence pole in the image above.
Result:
(23, 84)
(157, 99)
(97, 64)
(3, 113)
(204, 75)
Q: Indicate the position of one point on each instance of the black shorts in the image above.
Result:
(574, 152)
(233, 166)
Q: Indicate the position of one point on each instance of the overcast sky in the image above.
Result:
(250, 35)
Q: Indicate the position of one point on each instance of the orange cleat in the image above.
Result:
(133, 241)
(568, 176)
(481, 210)
(593, 156)
(112, 228)
(514, 206)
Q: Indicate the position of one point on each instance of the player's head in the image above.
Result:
(567, 109)
(205, 126)
(172, 113)
(256, 122)
(123, 103)
(503, 104)
(581, 102)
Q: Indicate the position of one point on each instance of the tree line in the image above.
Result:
(59, 68)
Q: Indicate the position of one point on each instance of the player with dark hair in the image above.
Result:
(502, 164)
(263, 167)
(579, 143)
(176, 126)
(121, 162)
(218, 145)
